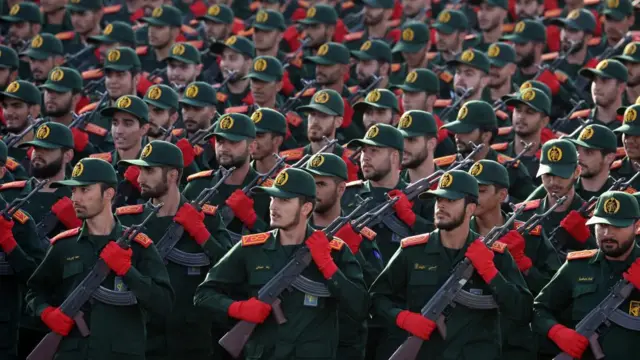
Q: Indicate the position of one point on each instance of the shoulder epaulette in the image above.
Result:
(594, 41)
(396, 67)
(553, 13)
(470, 37)
(11, 164)
(14, 185)
(620, 152)
(198, 44)
(502, 159)
(584, 254)
(255, 239)
(186, 29)
(500, 147)
(92, 74)
(143, 240)
(580, 114)
(432, 55)
(440, 103)
(530, 205)
(368, 233)
(242, 109)
(293, 154)
(353, 89)
(293, 119)
(354, 36)
(355, 183)
(591, 2)
(414, 240)
(245, 33)
(142, 50)
(535, 231)
(88, 108)
(221, 97)
(95, 129)
(561, 76)
(505, 130)
(502, 116)
(508, 27)
(308, 92)
(129, 210)
(445, 160)
(138, 26)
(498, 247)
(111, 9)
(446, 76)
(550, 56)
(200, 174)
(65, 234)
(106, 156)
(267, 182)
(347, 5)
(198, 150)
(177, 132)
(615, 165)
(21, 216)
(66, 35)
(336, 243)
(303, 4)
(209, 209)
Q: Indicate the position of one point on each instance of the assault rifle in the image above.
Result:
(71, 306)
(80, 121)
(558, 61)
(302, 162)
(199, 135)
(13, 139)
(71, 58)
(291, 102)
(295, 54)
(514, 161)
(374, 82)
(561, 121)
(463, 95)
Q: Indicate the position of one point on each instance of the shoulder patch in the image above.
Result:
(620, 153)
(550, 56)
(508, 27)
(90, 75)
(209, 209)
(198, 150)
(561, 76)
(502, 116)
(221, 97)
(552, 13)
(584, 254)
(142, 50)
(498, 247)
(129, 210)
(104, 156)
(445, 160)
(336, 243)
(368, 233)
(615, 165)
(537, 231)
(347, 5)
(95, 129)
(505, 130)
(354, 89)
(88, 108)
(111, 9)
(432, 55)
(442, 103)
(594, 41)
(500, 147)
(143, 240)
(13, 185)
(293, 154)
(502, 159)
(67, 35)
(355, 183)
(308, 92)
(293, 119)
(354, 36)
(200, 174)
(21, 216)
(13, 165)
(267, 182)
(396, 67)
(414, 240)
(580, 114)
(242, 109)
(446, 76)
(255, 239)
(65, 234)
(530, 205)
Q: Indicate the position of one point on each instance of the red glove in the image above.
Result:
(7, 241)
(252, 310)
(192, 221)
(117, 258)
(550, 79)
(482, 259)
(242, 207)
(632, 275)
(352, 169)
(57, 321)
(318, 244)
(568, 340)
(403, 208)
(576, 226)
(64, 211)
(546, 135)
(80, 139)
(188, 154)
(415, 324)
(131, 175)
(515, 244)
(349, 236)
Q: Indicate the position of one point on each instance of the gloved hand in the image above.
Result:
(568, 340)
(117, 258)
(57, 321)
(80, 139)
(576, 226)
(482, 259)
(242, 207)
(64, 211)
(415, 324)
(252, 310)
(188, 154)
(192, 221)
(318, 244)
(350, 237)
(632, 274)
(7, 241)
(550, 79)
(403, 208)
(131, 175)
(516, 245)
(352, 169)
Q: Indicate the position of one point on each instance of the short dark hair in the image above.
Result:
(166, 169)
(105, 186)
(470, 199)
(308, 199)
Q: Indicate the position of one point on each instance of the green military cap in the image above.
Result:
(373, 50)
(629, 125)
(269, 121)
(559, 158)
(489, 172)
(290, 183)
(450, 21)
(269, 20)
(417, 123)
(454, 185)
(526, 31)
(420, 80)
(184, 52)
(320, 14)
(618, 9)
(630, 53)
(473, 115)
(379, 4)
(51, 135)
(330, 53)
(474, 58)
(326, 101)
(621, 109)
(165, 15)
(608, 69)
(26, 11)
(533, 98)
(84, 5)
(89, 171)
(597, 137)
(499, 3)
(199, 94)
(615, 208)
(122, 59)
(22, 90)
(158, 153)
(414, 37)
(8, 58)
(500, 54)
(234, 127)
(380, 99)
(162, 96)
(219, 13)
(239, 44)
(577, 19)
(327, 164)
(381, 135)
(130, 104)
(115, 32)
(44, 46)
(537, 85)
(63, 79)
(266, 68)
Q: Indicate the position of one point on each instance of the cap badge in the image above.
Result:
(155, 92)
(37, 42)
(476, 169)
(77, 170)
(311, 13)
(462, 113)
(526, 85)
(192, 91)
(260, 65)
(412, 77)
(157, 12)
(113, 55)
(586, 133)
(323, 50)
(629, 116)
(574, 14)
(407, 34)
(262, 17)
(13, 87)
(467, 56)
(214, 10)
(494, 51)
(520, 27)
(446, 180)
(366, 46)
(15, 9)
(602, 65)
(612, 4)
(108, 29)
(317, 161)
(322, 97)
(256, 117)
(630, 49)
(56, 75)
(554, 154)
(372, 132)
(146, 151)
(178, 49)
(373, 96)
(43, 132)
(231, 40)
(282, 178)
(611, 206)
(444, 17)
(528, 95)
(405, 121)
(226, 122)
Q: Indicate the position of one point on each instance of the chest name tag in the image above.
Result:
(475, 291)
(193, 270)
(119, 285)
(310, 300)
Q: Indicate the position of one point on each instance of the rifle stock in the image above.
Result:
(302, 162)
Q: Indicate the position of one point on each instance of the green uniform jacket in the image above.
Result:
(117, 332)
(310, 330)
(623, 168)
(571, 125)
(99, 128)
(420, 268)
(532, 163)
(587, 195)
(127, 194)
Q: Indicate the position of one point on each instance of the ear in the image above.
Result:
(67, 156)
(337, 121)
(484, 81)
(198, 69)
(110, 193)
(545, 121)
(279, 86)
(470, 209)
(277, 142)
(503, 194)
(307, 208)
(342, 187)
(385, 68)
(609, 159)
(511, 69)
(431, 100)
(144, 128)
(486, 137)
(577, 172)
(136, 79)
(432, 144)
(13, 76)
(34, 110)
(3, 171)
(252, 146)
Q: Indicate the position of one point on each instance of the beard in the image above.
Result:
(417, 160)
(325, 206)
(235, 161)
(369, 21)
(155, 192)
(623, 247)
(566, 46)
(154, 132)
(61, 110)
(288, 225)
(379, 174)
(527, 60)
(48, 170)
(448, 226)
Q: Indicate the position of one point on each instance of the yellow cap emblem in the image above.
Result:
(611, 206)
(446, 180)
(178, 49)
(586, 133)
(373, 96)
(146, 151)
(372, 132)
(317, 161)
(56, 75)
(462, 113)
(411, 77)
(526, 85)
(311, 13)
(37, 41)
(260, 65)
(407, 34)
(157, 12)
(108, 30)
(124, 102)
(77, 170)
(554, 154)
(256, 116)
(113, 55)
(262, 17)
(630, 115)
(213, 10)
(154, 92)
(493, 51)
(15, 9)
(43, 132)
(613, 4)
(444, 17)
(321, 98)
(282, 178)
(630, 49)
(366, 46)
(467, 56)
(476, 169)
(520, 27)
(405, 121)
(574, 14)
(13, 87)
(602, 65)
(323, 50)
(528, 95)
(192, 91)
(231, 40)
(226, 122)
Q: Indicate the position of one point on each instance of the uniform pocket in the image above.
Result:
(422, 285)
(71, 269)
(583, 300)
(314, 351)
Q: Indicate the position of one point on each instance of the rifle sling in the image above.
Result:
(310, 287)
(625, 320)
(396, 226)
(473, 301)
(47, 225)
(113, 297)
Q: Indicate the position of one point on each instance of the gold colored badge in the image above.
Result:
(520, 27)
(613, 4)
(602, 65)
(192, 91)
(476, 169)
(462, 113)
(213, 10)
(446, 180)
(574, 14)
(37, 41)
(444, 17)
(586, 133)
(282, 178)
(317, 161)
(373, 96)
(77, 170)
(411, 77)
(526, 85)
(15, 9)
(366, 46)
(157, 12)
(611, 206)
(262, 17)
(256, 117)
(323, 50)
(56, 75)
(178, 49)
(634, 308)
(146, 151)
(630, 49)
(113, 55)
(154, 92)
(528, 95)
(405, 121)
(554, 154)
(260, 65)
(630, 115)
(493, 51)
(124, 102)
(321, 98)
(43, 132)
(231, 40)
(407, 34)
(311, 13)
(372, 132)
(13, 87)
(226, 122)
(467, 56)
(108, 30)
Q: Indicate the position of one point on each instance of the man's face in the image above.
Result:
(5, 77)
(317, 34)
(615, 241)
(527, 9)
(373, 16)
(320, 125)
(285, 213)
(266, 40)
(365, 69)
(591, 162)
(231, 153)
(415, 152)
(525, 55)
(15, 113)
(414, 100)
(557, 185)
(328, 74)
(216, 30)
(149, 5)
(604, 91)
(233, 61)
(52, 5)
(84, 21)
(449, 214)
(448, 42)
(489, 199)
(266, 145)
(375, 162)
(374, 116)
(489, 16)
(20, 31)
(614, 29)
(88, 201)
(498, 76)
(569, 36)
(463, 141)
(153, 182)
(40, 68)
(58, 104)
(182, 74)
(264, 92)
(126, 130)
(467, 77)
(119, 83)
(196, 118)
(526, 121)
(46, 163)
(327, 193)
(159, 36)
(158, 118)
(631, 145)
(412, 7)
(415, 59)
(632, 68)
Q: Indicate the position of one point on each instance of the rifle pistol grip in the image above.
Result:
(278, 314)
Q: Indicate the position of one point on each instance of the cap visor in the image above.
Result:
(62, 183)
(579, 142)
(154, 21)
(40, 144)
(101, 39)
(266, 27)
(195, 103)
(323, 173)
(275, 192)
(139, 163)
(157, 104)
(591, 73)
(616, 15)
(36, 54)
(410, 134)
(372, 3)
(108, 112)
(443, 193)
(56, 88)
(626, 58)
(516, 39)
(609, 221)
(515, 102)
(261, 77)
(320, 60)
(76, 8)
(361, 142)
(447, 29)
(306, 21)
(404, 47)
(118, 67)
(317, 107)
(628, 130)
(408, 88)
(181, 59)
(11, 19)
(497, 62)
(459, 127)
(362, 106)
(564, 171)
(361, 55)
(232, 137)
(214, 19)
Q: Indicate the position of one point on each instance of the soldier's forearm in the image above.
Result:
(513, 300)
(536, 279)
(156, 296)
(22, 264)
(543, 320)
(214, 249)
(207, 298)
(351, 294)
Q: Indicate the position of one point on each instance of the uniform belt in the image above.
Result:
(625, 320)
(310, 287)
(472, 301)
(115, 298)
(188, 259)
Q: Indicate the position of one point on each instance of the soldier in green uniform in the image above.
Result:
(631, 58)
(420, 138)
(218, 23)
(10, 169)
(117, 330)
(163, 27)
(183, 65)
(372, 60)
(115, 34)
(618, 20)
(198, 109)
(319, 25)
(425, 261)
(86, 17)
(45, 51)
(186, 331)
(380, 106)
(587, 278)
(236, 58)
(492, 15)
(529, 38)
(578, 28)
(271, 130)
(258, 257)
(163, 105)
(502, 58)
(55, 18)
(376, 24)
(20, 107)
(8, 66)
(24, 21)
(451, 27)
(472, 74)
(630, 131)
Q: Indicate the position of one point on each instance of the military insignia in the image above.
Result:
(444, 17)
(192, 91)
(13, 87)
(554, 154)
(476, 169)
(446, 180)
(231, 40)
(467, 56)
(321, 98)
(586, 133)
(255, 239)
(113, 55)
(119, 285)
(368, 233)
(405, 121)
(157, 12)
(311, 13)
(372, 132)
(77, 170)
(260, 65)
(498, 247)
(574, 14)
(15, 9)
(108, 30)
(262, 17)
(21, 217)
(154, 92)
(178, 49)
(226, 122)
(11, 164)
(407, 34)
(462, 113)
(65, 234)
(293, 154)
(317, 161)
(630, 49)
(493, 51)
(602, 65)
(528, 95)
(323, 50)
(201, 174)
(282, 178)
(613, 4)
(310, 300)
(417, 266)
(412, 77)
(366, 46)
(37, 42)
(124, 102)
(585, 279)
(634, 308)
(256, 116)
(584, 254)
(209, 209)
(611, 206)
(519, 27)
(267, 182)
(56, 75)
(373, 96)
(43, 132)
(213, 10)
(130, 210)
(630, 115)
(143, 240)
(146, 151)
(414, 240)
(336, 243)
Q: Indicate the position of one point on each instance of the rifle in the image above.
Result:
(375, 81)
(81, 120)
(291, 102)
(514, 161)
(92, 85)
(558, 61)
(199, 135)
(234, 340)
(71, 306)
(463, 96)
(13, 139)
(302, 162)
(576, 105)
(295, 54)
(231, 74)
(168, 133)
(70, 58)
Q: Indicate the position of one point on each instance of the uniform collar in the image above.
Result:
(274, 242)
(635, 254)
(115, 234)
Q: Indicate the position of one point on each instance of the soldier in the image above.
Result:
(471, 73)
(380, 106)
(618, 20)
(292, 201)
(377, 24)
(502, 58)
(451, 27)
(577, 31)
(420, 140)
(631, 58)
(55, 18)
(162, 102)
(184, 65)
(86, 17)
(115, 34)
(44, 53)
(529, 38)
(186, 330)
(271, 130)
(236, 58)
(425, 261)
(116, 330)
(373, 60)
(198, 108)
(587, 278)
(25, 22)
(630, 131)
(218, 22)
(492, 14)
(164, 26)
(20, 106)
(10, 169)
(320, 27)
(8, 66)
